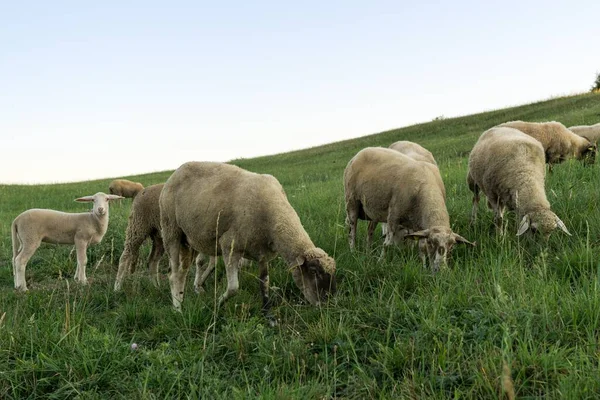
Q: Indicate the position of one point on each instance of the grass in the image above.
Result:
(511, 315)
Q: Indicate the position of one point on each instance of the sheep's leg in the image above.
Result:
(203, 273)
(351, 220)
(81, 249)
(263, 266)
(370, 230)
(475, 190)
(181, 259)
(232, 261)
(384, 229)
(158, 250)
(130, 255)
(423, 253)
(27, 250)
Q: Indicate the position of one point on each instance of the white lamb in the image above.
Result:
(216, 208)
(509, 167)
(559, 143)
(414, 151)
(32, 227)
(383, 185)
(590, 132)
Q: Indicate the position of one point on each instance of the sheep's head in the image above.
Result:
(544, 221)
(437, 243)
(100, 202)
(315, 275)
(588, 154)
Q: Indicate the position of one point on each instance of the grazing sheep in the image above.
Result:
(144, 222)
(508, 166)
(32, 227)
(558, 142)
(590, 132)
(217, 208)
(414, 151)
(125, 188)
(383, 185)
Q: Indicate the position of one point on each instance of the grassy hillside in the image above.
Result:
(508, 312)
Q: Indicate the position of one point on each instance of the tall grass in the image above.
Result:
(512, 317)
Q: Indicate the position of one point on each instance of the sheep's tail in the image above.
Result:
(15, 240)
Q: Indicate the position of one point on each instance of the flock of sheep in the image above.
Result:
(208, 209)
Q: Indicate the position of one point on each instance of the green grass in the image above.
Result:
(394, 330)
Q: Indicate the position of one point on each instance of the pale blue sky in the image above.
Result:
(117, 88)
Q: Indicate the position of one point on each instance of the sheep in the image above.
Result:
(414, 151)
(383, 185)
(590, 132)
(125, 188)
(34, 226)
(508, 166)
(221, 209)
(144, 222)
(559, 143)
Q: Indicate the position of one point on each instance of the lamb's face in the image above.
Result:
(316, 283)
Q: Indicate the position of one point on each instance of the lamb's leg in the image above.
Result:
(232, 261)
(131, 252)
(158, 250)
(203, 273)
(81, 249)
(27, 250)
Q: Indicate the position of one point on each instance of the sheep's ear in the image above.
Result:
(524, 225)
(114, 197)
(85, 199)
(460, 239)
(562, 226)
(300, 261)
(418, 235)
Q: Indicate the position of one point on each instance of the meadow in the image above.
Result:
(511, 315)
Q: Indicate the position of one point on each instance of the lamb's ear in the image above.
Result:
(562, 226)
(460, 239)
(418, 235)
(114, 197)
(524, 225)
(85, 199)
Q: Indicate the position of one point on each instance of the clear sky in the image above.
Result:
(112, 88)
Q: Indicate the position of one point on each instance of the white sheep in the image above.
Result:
(508, 166)
(217, 208)
(414, 151)
(125, 188)
(590, 132)
(32, 227)
(383, 185)
(559, 143)
(144, 223)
